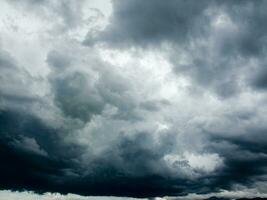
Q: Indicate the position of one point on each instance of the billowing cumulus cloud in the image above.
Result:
(133, 98)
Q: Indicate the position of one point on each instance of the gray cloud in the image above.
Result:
(215, 40)
(166, 100)
(156, 22)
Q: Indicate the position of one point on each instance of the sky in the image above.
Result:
(124, 99)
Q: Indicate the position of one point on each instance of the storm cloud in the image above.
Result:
(134, 98)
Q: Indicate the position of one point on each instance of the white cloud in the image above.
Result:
(10, 195)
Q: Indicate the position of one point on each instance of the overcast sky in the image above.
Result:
(154, 99)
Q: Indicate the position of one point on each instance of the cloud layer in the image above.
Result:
(133, 98)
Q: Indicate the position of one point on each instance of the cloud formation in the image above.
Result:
(144, 99)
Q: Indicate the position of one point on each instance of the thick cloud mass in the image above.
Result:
(142, 99)
(210, 42)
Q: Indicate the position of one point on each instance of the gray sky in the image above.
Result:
(133, 98)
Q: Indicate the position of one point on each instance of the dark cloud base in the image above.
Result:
(24, 170)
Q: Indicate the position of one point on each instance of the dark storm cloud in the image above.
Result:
(218, 58)
(96, 132)
(134, 169)
(37, 164)
(52, 164)
(152, 22)
(242, 167)
(245, 158)
(217, 55)
(141, 23)
(32, 153)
